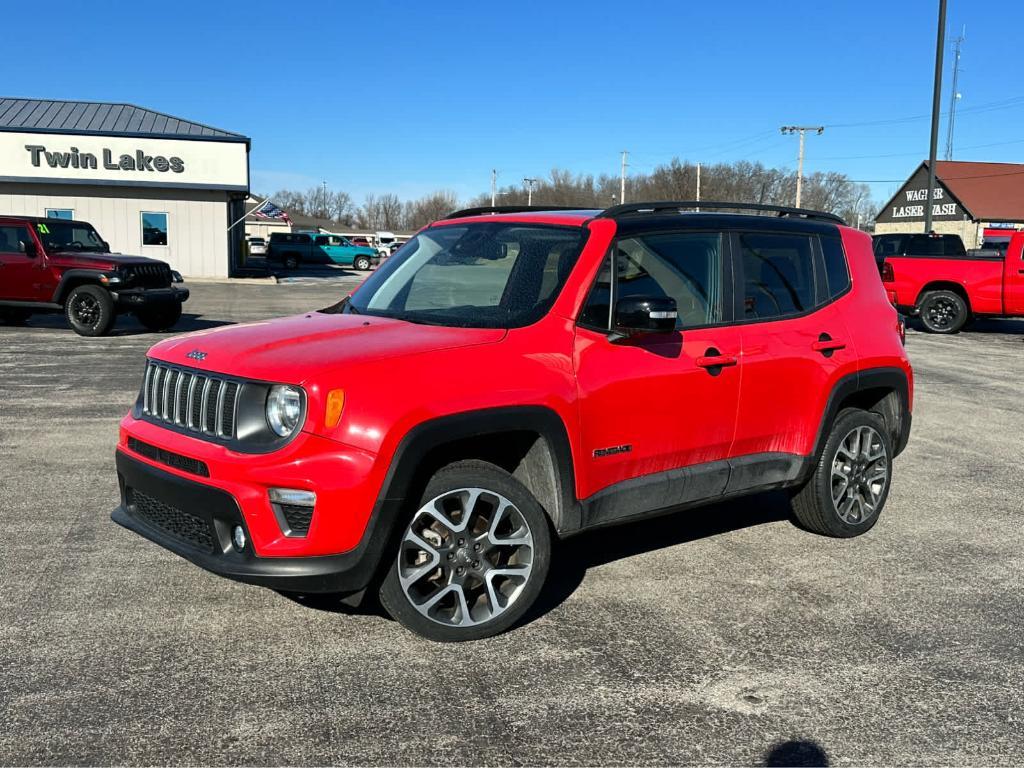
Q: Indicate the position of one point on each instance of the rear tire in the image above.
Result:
(471, 559)
(943, 311)
(89, 310)
(160, 318)
(291, 261)
(850, 484)
(362, 263)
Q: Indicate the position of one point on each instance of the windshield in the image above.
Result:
(60, 235)
(498, 275)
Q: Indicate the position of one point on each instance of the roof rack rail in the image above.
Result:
(658, 207)
(515, 209)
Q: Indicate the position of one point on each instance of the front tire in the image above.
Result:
(362, 263)
(473, 557)
(850, 484)
(160, 318)
(943, 311)
(291, 261)
(89, 310)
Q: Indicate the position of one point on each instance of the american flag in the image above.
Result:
(270, 211)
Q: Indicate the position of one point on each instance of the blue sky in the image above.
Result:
(409, 97)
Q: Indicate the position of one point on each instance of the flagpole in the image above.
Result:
(256, 208)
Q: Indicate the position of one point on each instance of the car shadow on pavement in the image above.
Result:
(126, 325)
(576, 555)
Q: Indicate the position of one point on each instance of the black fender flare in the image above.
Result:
(77, 276)
(861, 381)
(406, 471)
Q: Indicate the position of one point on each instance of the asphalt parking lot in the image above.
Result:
(720, 636)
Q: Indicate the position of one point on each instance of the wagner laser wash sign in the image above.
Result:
(152, 184)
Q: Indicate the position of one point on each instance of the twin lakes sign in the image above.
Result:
(909, 203)
(125, 161)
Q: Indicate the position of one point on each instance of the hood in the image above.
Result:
(88, 260)
(292, 349)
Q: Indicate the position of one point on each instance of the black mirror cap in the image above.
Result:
(645, 314)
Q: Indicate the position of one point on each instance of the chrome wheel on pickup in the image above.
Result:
(473, 557)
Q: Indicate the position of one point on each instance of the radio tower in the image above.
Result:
(954, 97)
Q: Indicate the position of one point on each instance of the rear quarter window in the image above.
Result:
(837, 273)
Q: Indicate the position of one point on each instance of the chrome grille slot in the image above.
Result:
(191, 400)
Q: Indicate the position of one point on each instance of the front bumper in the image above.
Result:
(196, 520)
(135, 298)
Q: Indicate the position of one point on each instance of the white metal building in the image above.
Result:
(152, 184)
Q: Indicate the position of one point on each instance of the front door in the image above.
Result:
(20, 273)
(651, 404)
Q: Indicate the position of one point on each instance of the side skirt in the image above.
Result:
(692, 486)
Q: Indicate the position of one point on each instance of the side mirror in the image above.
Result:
(29, 248)
(645, 314)
(106, 246)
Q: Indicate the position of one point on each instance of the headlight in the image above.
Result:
(284, 409)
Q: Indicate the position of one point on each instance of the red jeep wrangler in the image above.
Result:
(58, 265)
(947, 290)
(517, 375)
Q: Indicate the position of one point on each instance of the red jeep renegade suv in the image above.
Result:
(513, 376)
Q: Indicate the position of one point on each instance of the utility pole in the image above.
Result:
(494, 185)
(954, 97)
(325, 214)
(789, 129)
(698, 185)
(940, 43)
(622, 178)
(529, 190)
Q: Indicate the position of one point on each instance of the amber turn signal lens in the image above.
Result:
(335, 405)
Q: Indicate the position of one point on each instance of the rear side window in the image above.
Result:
(837, 274)
(936, 245)
(778, 274)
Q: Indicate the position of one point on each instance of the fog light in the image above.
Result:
(238, 538)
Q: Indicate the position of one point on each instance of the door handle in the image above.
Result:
(827, 345)
(713, 359)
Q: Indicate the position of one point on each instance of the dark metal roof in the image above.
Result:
(93, 117)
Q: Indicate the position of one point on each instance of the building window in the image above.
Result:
(154, 228)
(60, 213)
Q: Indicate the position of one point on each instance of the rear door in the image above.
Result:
(20, 274)
(658, 402)
(795, 342)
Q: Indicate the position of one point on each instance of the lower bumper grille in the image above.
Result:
(174, 522)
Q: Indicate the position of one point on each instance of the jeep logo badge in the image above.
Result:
(196, 354)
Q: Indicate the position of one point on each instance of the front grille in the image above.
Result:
(195, 401)
(148, 275)
(298, 518)
(173, 521)
(171, 459)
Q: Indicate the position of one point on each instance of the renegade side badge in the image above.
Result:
(598, 453)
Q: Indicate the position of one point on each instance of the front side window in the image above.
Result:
(487, 275)
(778, 274)
(685, 266)
(60, 213)
(154, 228)
(13, 239)
(60, 235)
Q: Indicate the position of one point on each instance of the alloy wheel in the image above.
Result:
(86, 310)
(860, 474)
(942, 312)
(465, 557)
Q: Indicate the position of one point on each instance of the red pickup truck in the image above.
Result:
(948, 291)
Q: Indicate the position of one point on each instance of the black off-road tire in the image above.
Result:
(160, 318)
(14, 315)
(943, 311)
(89, 310)
(452, 486)
(291, 261)
(814, 505)
(362, 263)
